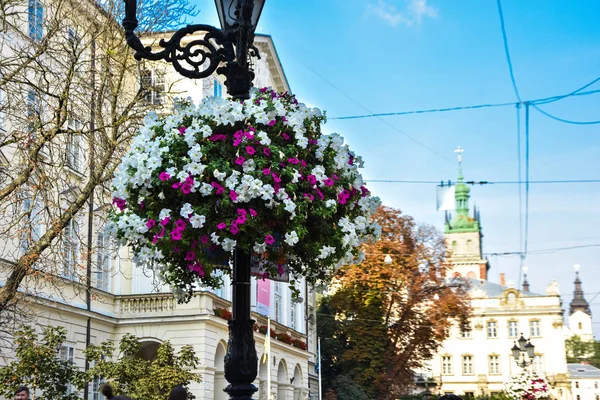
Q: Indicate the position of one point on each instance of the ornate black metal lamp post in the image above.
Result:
(199, 58)
(524, 347)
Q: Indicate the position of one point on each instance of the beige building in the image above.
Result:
(585, 381)
(123, 298)
(478, 360)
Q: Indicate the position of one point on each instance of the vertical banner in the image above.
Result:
(445, 198)
(263, 296)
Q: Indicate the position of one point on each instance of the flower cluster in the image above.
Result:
(527, 386)
(258, 175)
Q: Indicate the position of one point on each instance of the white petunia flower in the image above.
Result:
(260, 248)
(291, 238)
(219, 175)
(197, 221)
(229, 244)
(186, 210)
(165, 212)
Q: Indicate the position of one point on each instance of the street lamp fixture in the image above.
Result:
(200, 58)
(524, 347)
(227, 52)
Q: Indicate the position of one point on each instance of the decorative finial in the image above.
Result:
(525, 269)
(576, 267)
(459, 150)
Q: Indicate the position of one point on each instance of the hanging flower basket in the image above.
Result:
(206, 179)
(527, 386)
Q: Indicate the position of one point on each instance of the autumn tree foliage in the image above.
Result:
(386, 317)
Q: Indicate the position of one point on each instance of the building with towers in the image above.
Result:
(478, 360)
(580, 316)
(463, 234)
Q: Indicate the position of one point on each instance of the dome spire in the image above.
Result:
(579, 303)
(525, 282)
(461, 191)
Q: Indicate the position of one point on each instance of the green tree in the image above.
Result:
(578, 350)
(39, 367)
(386, 317)
(138, 378)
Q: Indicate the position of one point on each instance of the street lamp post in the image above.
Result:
(522, 348)
(231, 45)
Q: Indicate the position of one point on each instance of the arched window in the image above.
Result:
(580, 325)
(454, 246)
(470, 249)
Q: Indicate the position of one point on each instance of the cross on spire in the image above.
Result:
(459, 150)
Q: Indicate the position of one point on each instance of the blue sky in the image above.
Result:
(352, 57)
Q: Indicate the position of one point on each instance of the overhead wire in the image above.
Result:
(557, 181)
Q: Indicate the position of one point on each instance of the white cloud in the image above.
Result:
(412, 14)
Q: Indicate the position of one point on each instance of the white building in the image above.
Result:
(124, 299)
(478, 360)
(585, 381)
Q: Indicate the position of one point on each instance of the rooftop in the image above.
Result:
(583, 371)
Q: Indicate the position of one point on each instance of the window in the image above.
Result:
(96, 384)
(467, 365)
(293, 316)
(579, 325)
(454, 246)
(277, 301)
(153, 84)
(74, 144)
(70, 248)
(34, 110)
(596, 385)
(492, 329)
(67, 353)
(470, 248)
(36, 20)
(103, 261)
(494, 364)
(513, 329)
(465, 333)
(469, 394)
(447, 365)
(578, 397)
(576, 385)
(32, 228)
(535, 328)
(218, 88)
(538, 364)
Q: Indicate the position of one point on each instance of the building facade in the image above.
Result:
(478, 360)
(123, 298)
(585, 381)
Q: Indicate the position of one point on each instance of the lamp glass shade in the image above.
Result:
(530, 350)
(387, 259)
(227, 16)
(522, 342)
(516, 352)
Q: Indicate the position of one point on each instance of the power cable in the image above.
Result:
(507, 52)
(481, 183)
(543, 100)
(544, 251)
(566, 121)
(379, 118)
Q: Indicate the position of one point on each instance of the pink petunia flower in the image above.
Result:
(163, 176)
(233, 195)
(311, 179)
(150, 223)
(176, 185)
(241, 219)
(176, 235)
(241, 211)
(272, 122)
(190, 255)
(276, 178)
(221, 226)
(220, 191)
(280, 269)
(293, 160)
(267, 151)
(204, 239)
(240, 160)
(269, 239)
(186, 188)
(303, 163)
(266, 171)
(328, 182)
(285, 136)
(180, 224)
(182, 129)
(234, 229)
(309, 196)
(165, 221)
(250, 150)
(253, 212)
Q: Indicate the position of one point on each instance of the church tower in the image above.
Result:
(580, 316)
(463, 234)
